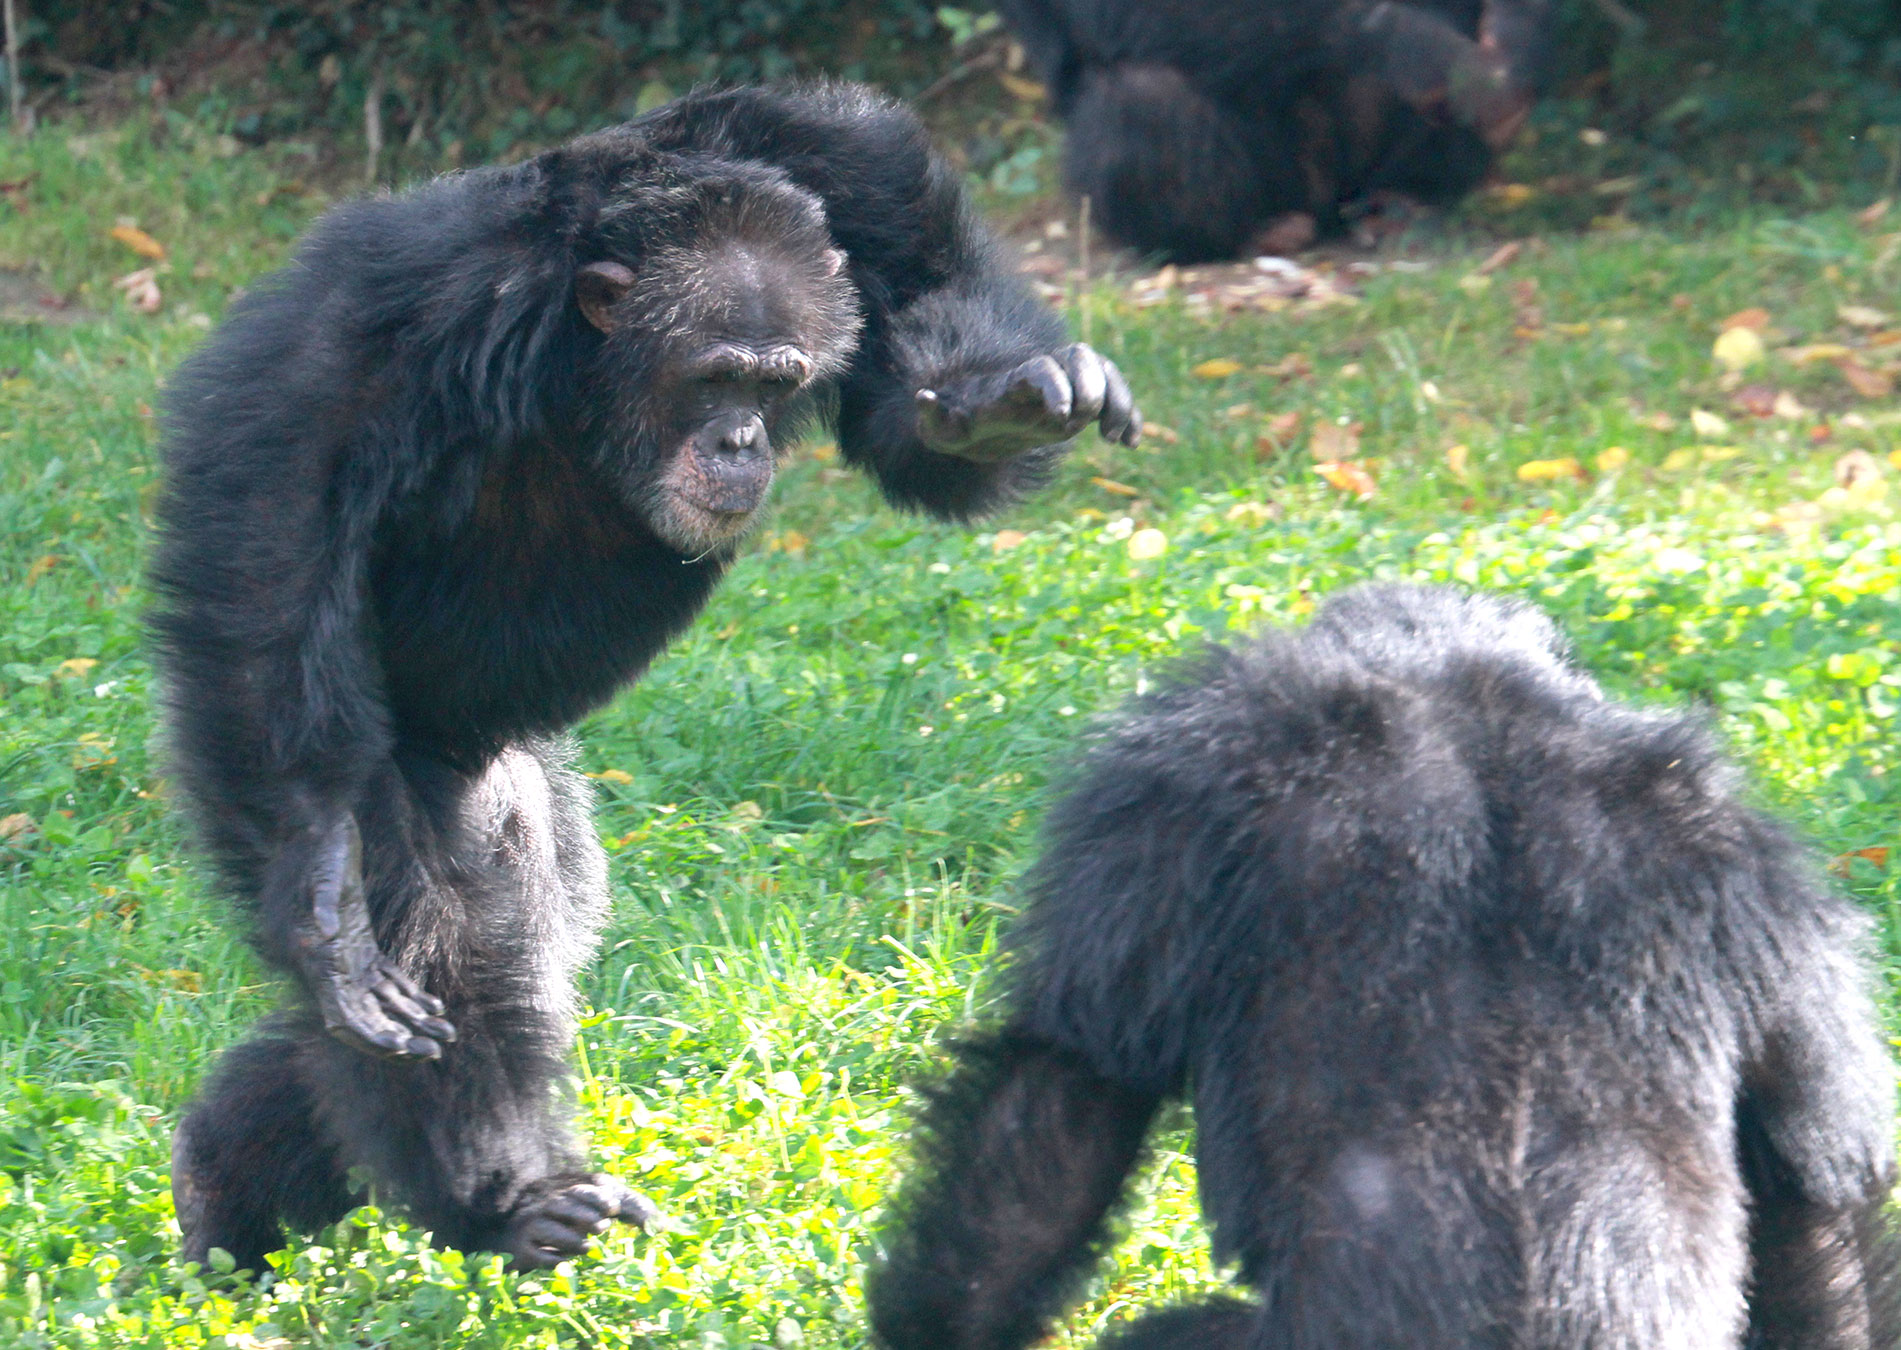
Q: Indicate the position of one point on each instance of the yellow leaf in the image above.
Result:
(1738, 349)
(790, 542)
(1894, 458)
(1459, 460)
(1678, 460)
(1547, 470)
(77, 665)
(1571, 329)
(613, 776)
(1027, 90)
(1612, 459)
(824, 451)
(1510, 196)
(138, 241)
(43, 564)
(1717, 454)
(1256, 514)
(1708, 424)
(1146, 544)
(1348, 477)
(1110, 485)
(1219, 368)
(1155, 431)
(1006, 540)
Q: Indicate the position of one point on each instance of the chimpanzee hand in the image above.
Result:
(993, 417)
(367, 1001)
(556, 1219)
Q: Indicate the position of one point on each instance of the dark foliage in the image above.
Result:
(1505, 1021)
(444, 484)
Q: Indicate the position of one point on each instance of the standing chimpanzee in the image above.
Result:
(1508, 1026)
(447, 482)
(1199, 128)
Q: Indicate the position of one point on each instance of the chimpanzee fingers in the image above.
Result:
(1121, 419)
(1088, 385)
(543, 1237)
(396, 976)
(581, 1212)
(938, 421)
(621, 1201)
(402, 1006)
(1043, 383)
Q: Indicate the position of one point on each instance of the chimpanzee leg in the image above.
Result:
(1218, 1324)
(1025, 1152)
(1168, 169)
(248, 1155)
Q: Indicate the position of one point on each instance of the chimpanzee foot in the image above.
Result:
(557, 1224)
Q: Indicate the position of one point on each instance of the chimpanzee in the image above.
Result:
(443, 485)
(1198, 128)
(1507, 1023)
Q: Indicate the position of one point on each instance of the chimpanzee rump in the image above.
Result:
(1507, 1024)
(1195, 125)
(443, 485)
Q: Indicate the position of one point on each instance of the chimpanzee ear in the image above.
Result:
(834, 262)
(598, 287)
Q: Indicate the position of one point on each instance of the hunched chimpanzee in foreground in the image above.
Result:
(1507, 1024)
(444, 484)
(1196, 125)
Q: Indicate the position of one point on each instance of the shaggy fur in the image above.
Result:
(408, 537)
(1508, 1025)
(1195, 124)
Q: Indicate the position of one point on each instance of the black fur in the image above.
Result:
(407, 539)
(1195, 124)
(1506, 1022)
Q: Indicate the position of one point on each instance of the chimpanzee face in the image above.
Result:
(711, 369)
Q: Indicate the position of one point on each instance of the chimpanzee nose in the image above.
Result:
(740, 436)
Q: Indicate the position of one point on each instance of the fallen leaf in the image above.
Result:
(1868, 383)
(1871, 216)
(1719, 454)
(138, 241)
(1510, 196)
(790, 542)
(1860, 316)
(1157, 432)
(77, 665)
(1790, 407)
(1678, 460)
(1707, 423)
(1661, 421)
(1253, 514)
(1110, 485)
(1754, 320)
(1332, 443)
(1756, 400)
(1737, 349)
(1146, 544)
(141, 290)
(41, 565)
(1857, 469)
(1571, 329)
(1502, 256)
(1234, 412)
(1348, 477)
(1818, 351)
(1894, 458)
(13, 826)
(1547, 470)
(1845, 862)
(1218, 368)
(1006, 540)
(1459, 460)
(1612, 459)
(613, 776)
(1293, 366)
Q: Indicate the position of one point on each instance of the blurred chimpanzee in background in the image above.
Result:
(1200, 129)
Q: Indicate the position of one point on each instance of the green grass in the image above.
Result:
(817, 803)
